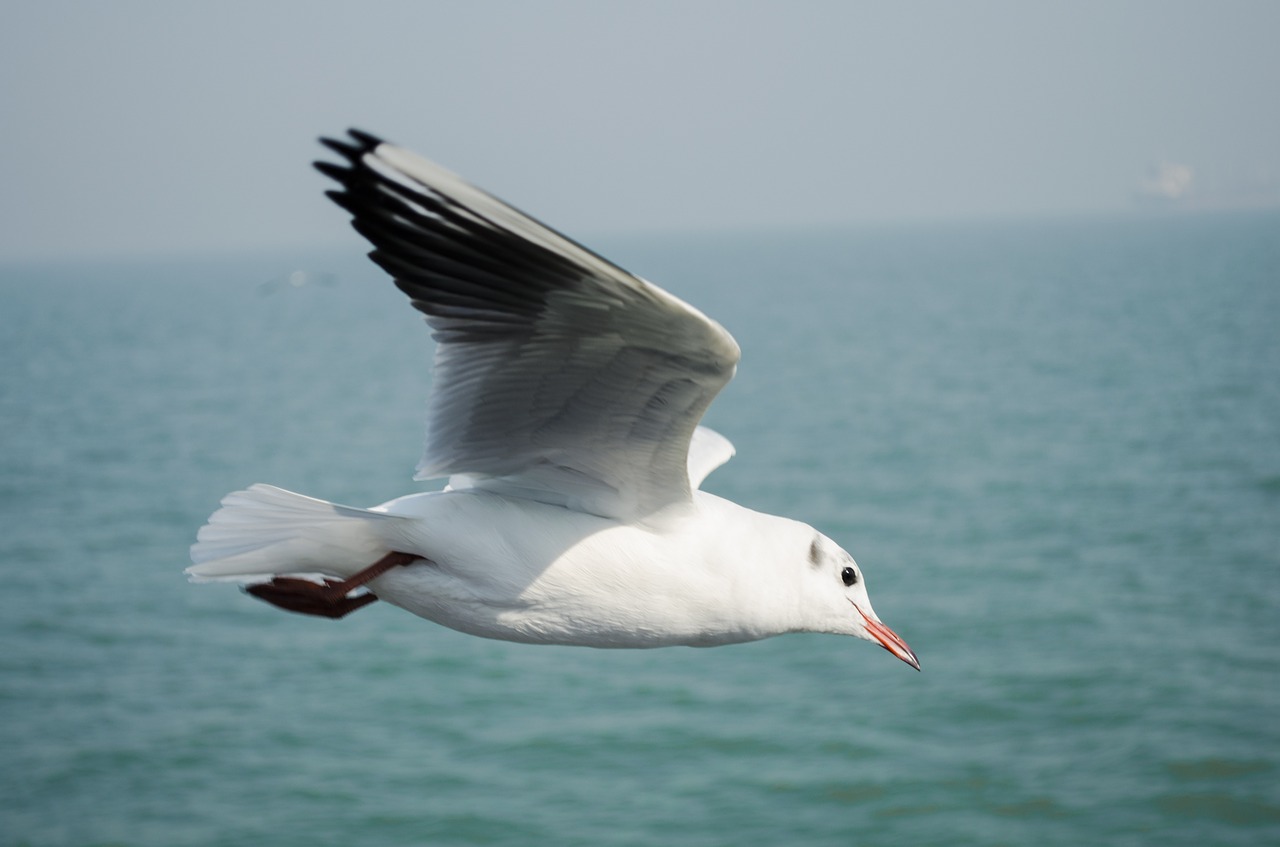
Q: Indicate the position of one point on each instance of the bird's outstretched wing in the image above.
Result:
(558, 376)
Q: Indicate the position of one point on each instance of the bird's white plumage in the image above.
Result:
(564, 412)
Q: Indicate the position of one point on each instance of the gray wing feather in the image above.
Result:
(558, 375)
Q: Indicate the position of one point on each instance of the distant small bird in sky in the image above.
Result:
(564, 412)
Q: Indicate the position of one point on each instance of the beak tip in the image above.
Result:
(888, 639)
(905, 653)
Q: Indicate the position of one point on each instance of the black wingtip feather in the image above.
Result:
(346, 150)
(368, 141)
(335, 172)
(342, 199)
(441, 253)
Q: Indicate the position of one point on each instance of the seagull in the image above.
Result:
(564, 413)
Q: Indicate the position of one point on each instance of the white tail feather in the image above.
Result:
(265, 531)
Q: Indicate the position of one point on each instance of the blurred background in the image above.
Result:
(1006, 278)
(145, 127)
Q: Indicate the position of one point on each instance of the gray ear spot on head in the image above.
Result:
(815, 553)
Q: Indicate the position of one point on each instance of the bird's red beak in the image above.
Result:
(889, 640)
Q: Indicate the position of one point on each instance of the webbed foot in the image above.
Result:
(330, 600)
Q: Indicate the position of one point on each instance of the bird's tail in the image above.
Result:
(267, 531)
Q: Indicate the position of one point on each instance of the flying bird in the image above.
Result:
(564, 412)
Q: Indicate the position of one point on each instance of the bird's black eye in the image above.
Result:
(849, 576)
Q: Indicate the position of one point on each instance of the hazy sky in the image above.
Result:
(135, 127)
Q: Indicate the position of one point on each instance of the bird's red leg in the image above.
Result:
(329, 600)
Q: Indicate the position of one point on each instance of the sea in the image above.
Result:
(1052, 445)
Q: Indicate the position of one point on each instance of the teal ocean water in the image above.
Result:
(1054, 448)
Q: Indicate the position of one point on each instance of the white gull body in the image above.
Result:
(564, 413)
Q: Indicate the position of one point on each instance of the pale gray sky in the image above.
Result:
(137, 127)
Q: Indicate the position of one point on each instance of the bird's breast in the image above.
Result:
(524, 571)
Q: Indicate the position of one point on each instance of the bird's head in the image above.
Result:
(837, 601)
